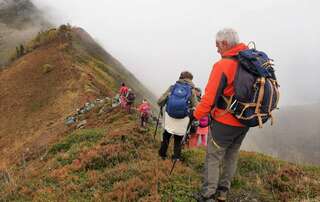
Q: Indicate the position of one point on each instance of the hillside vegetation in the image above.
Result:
(112, 159)
(109, 158)
(60, 70)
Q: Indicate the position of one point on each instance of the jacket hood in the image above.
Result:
(188, 81)
(235, 50)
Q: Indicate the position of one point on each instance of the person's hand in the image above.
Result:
(195, 123)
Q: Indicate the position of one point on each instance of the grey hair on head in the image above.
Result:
(229, 35)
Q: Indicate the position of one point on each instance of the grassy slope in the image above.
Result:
(113, 160)
(40, 89)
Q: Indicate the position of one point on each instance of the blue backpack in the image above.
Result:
(178, 103)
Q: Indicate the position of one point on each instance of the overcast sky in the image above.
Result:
(157, 39)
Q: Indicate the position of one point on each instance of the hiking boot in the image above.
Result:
(198, 196)
(222, 193)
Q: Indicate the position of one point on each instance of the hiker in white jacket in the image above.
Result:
(174, 126)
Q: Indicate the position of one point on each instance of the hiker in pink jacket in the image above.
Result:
(200, 131)
(145, 111)
(203, 130)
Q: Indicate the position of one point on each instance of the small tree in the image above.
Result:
(21, 50)
(17, 52)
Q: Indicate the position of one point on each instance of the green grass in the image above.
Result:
(179, 188)
(119, 161)
(194, 158)
(112, 177)
(89, 136)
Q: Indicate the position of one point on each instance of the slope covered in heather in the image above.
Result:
(60, 70)
(108, 157)
(112, 159)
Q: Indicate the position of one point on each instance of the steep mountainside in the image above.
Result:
(20, 20)
(61, 70)
(104, 155)
(294, 137)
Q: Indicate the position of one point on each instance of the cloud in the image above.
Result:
(156, 39)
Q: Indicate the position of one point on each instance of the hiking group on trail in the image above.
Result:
(126, 99)
(242, 91)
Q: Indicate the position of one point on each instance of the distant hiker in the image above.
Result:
(179, 100)
(130, 98)
(123, 89)
(203, 130)
(226, 133)
(199, 130)
(123, 93)
(204, 122)
(145, 112)
(199, 133)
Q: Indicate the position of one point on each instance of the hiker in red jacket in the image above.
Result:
(226, 132)
(145, 112)
(123, 89)
(123, 93)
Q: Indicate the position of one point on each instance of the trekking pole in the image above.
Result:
(155, 132)
(183, 141)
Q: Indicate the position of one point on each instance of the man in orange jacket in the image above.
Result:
(226, 132)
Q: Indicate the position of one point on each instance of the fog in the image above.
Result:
(157, 39)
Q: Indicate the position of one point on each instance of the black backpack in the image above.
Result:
(256, 89)
(131, 97)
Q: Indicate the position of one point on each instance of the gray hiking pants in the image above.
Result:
(224, 143)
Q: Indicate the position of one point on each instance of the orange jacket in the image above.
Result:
(220, 83)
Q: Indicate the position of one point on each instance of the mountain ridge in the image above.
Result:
(56, 75)
(20, 20)
(104, 155)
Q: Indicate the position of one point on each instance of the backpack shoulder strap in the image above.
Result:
(172, 87)
(230, 57)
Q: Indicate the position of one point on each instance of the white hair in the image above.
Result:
(229, 35)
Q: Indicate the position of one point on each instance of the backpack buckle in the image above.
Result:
(233, 106)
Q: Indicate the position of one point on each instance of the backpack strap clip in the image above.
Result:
(230, 105)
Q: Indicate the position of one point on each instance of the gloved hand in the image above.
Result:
(195, 123)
